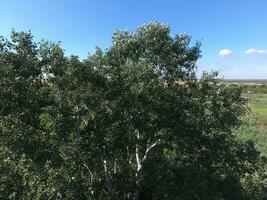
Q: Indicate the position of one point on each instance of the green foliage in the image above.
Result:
(131, 122)
(250, 130)
(256, 94)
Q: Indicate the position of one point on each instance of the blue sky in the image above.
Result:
(233, 32)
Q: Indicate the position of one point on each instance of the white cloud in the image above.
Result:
(257, 51)
(225, 52)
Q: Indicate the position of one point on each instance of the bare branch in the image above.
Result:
(138, 160)
(149, 148)
(107, 176)
(115, 166)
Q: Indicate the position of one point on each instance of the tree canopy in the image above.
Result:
(132, 121)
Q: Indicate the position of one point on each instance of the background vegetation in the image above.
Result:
(129, 122)
(254, 126)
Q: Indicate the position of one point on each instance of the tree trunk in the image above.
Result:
(137, 194)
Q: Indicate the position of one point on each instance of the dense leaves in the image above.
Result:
(130, 122)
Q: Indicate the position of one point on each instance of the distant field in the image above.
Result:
(256, 93)
(255, 127)
(246, 81)
(258, 103)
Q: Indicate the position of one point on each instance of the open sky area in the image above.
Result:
(233, 32)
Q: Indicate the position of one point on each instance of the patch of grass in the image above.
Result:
(254, 125)
(258, 104)
(256, 93)
(250, 130)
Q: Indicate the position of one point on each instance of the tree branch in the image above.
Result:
(107, 176)
(149, 148)
(138, 160)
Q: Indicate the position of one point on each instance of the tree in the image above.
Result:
(130, 122)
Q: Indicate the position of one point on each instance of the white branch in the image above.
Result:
(90, 173)
(115, 166)
(138, 160)
(107, 176)
(85, 122)
(149, 148)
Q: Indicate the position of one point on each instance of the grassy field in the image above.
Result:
(255, 124)
(258, 104)
(256, 93)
